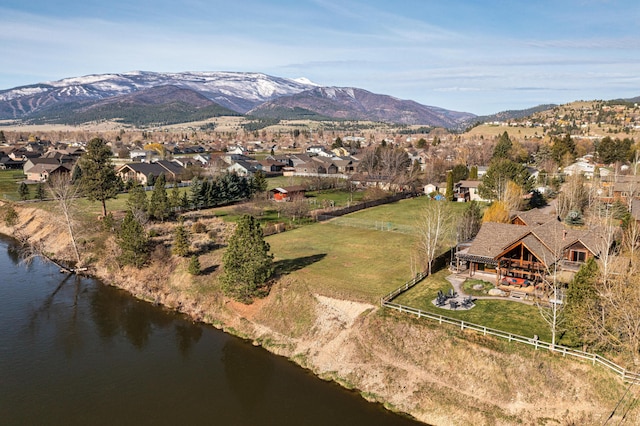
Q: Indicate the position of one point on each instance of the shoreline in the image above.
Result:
(434, 375)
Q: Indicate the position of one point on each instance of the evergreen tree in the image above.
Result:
(247, 262)
(3, 138)
(99, 180)
(205, 194)
(138, 203)
(23, 191)
(459, 172)
(196, 193)
(449, 193)
(500, 172)
(503, 147)
(184, 201)
(473, 173)
(212, 193)
(194, 265)
(40, 193)
(133, 242)
(180, 241)
(174, 197)
(76, 174)
(582, 299)
(259, 183)
(563, 149)
(159, 204)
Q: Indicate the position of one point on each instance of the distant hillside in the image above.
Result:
(180, 97)
(509, 114)
(348, 103)
(158, 105)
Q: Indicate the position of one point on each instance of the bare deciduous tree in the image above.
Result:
(65, 193)
(434, 228)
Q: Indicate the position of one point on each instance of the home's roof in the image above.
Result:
(533, 217)
(470, 183)
(288, 189)
(547, 241)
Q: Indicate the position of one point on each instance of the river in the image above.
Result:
(74, 351)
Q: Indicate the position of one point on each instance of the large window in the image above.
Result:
(578, 256)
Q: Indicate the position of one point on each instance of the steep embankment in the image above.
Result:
(437, 374)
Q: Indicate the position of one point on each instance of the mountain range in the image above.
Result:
(151, 98)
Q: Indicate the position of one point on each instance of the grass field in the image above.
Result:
(352, 263)
(9, 180)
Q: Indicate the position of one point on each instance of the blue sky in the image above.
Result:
(467, 55)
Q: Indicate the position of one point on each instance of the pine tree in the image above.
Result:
(473, 173)
(174, 197)
(194, 265)
(449, 194)
(159, 204)
(259, 183)
(247, 262)
(195, 193)
(503, 147)
(40, 193)
(180, 241)
(23, 191)
(184, 201)
(133, 242)
(138, 203)
(98, 177)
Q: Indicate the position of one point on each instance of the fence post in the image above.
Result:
(461, 325)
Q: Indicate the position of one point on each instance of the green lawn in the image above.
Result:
(353, 263)
(505, 315)
(9, 180)
(403, 212)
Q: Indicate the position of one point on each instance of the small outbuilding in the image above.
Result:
(287, 193)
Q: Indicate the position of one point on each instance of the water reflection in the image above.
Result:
(187, 335)
(76, 352)
(248, 376)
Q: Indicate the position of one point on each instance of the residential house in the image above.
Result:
(43, 171)
(468, 190)
(525, 251)
(6, 163)
(141, 172)
(32, 162)
(271, 166)
(243, 168)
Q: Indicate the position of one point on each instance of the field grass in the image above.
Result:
(505, 315)
(352, 263)
(9, 180)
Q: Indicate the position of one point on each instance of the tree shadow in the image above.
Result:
(287, 266)
(209, 270)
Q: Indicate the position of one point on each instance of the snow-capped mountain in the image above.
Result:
(111, 96)
(237, 91)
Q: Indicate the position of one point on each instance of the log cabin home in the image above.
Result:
(527, 250)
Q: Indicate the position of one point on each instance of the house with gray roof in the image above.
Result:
(141, 172)
(526, 250)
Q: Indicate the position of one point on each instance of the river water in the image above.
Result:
(77, 352)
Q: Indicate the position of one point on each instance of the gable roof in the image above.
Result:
(533, 217)
(546, 241)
